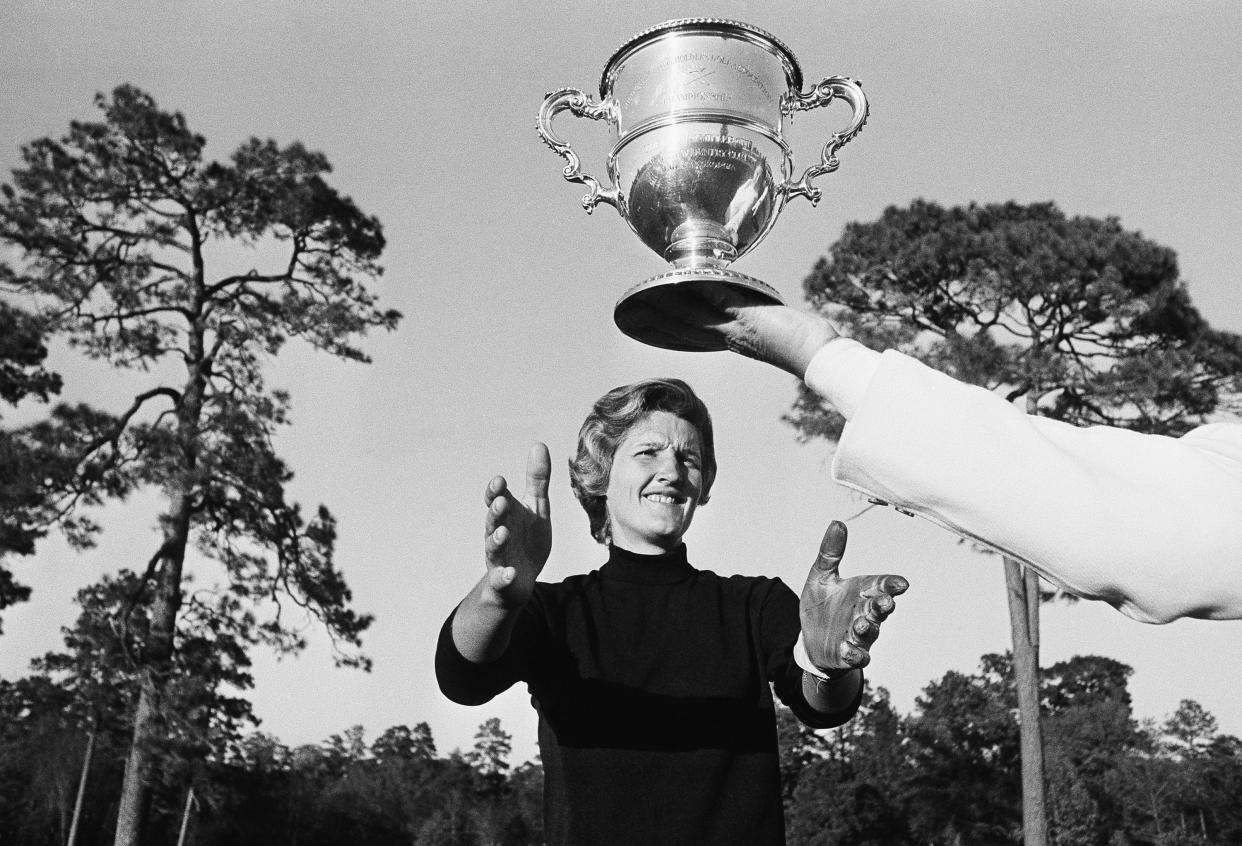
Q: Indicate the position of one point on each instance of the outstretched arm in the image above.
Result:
(517, 540)
(1146, 523)
(841, 619)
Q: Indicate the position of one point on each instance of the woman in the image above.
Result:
(653, 679)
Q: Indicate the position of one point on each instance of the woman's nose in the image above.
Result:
(668, 467)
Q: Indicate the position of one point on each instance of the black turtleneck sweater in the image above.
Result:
(651, 680)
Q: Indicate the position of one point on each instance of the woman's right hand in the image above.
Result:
(517, 533)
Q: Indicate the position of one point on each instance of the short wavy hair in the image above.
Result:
(610, 420)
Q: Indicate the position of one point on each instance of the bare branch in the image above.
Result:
(113, 437)
(252, 276)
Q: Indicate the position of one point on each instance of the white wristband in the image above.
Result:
(804, 661)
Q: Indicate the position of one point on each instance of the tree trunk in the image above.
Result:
(1023, 591)
(157, 667)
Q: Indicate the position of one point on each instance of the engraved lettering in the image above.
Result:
(680, 98)
(753, 77)
(688, 86)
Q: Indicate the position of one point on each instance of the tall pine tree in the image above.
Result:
(115, 229)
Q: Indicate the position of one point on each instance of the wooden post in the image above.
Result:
(185, 817)
(77, 805)
(1023, 590)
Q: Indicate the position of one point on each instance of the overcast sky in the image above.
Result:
(427, 112)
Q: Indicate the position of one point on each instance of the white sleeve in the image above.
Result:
(1149, 524)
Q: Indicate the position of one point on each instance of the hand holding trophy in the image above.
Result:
(699, 166)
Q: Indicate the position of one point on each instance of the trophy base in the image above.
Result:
(657, 292)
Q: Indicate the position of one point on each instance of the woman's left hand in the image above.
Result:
(841, 616)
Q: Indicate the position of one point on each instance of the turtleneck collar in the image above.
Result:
(664, 568)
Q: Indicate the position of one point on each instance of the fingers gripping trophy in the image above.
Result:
(699, 166)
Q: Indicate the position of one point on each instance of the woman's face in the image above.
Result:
(655, 483)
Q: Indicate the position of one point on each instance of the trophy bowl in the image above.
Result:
(699, 166)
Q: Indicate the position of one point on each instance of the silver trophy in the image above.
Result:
(699, 166)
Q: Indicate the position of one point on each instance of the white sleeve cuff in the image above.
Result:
(840, 373)
(803, 660)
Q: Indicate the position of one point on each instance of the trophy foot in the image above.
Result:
(655, 292)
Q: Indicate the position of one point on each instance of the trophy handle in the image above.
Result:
(847, 89)
(582, 106)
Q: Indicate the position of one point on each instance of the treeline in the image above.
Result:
(948, 773)
(396, 790)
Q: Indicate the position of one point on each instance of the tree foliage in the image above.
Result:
(46, 470)
(1087, 322)
(32, 469)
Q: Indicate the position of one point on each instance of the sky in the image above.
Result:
(427, 112)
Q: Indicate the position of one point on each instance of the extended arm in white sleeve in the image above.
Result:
(1150, 524)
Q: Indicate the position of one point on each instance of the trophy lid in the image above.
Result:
(719, 25)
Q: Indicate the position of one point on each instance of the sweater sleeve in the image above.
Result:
(1150, 524)
(468, 683)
